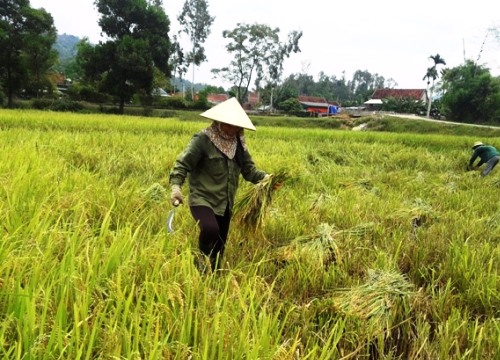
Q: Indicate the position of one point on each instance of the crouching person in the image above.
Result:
(487, 154)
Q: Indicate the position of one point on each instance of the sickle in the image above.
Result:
(170, 220)
(170, 217)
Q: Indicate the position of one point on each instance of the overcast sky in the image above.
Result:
(391, 38)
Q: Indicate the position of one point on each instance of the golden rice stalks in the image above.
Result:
(251, 207)
(383, 296)
(323, 244)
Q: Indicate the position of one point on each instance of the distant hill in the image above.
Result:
(179, 83)
(66, 46)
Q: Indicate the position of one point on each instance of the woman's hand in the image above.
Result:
(176, 197)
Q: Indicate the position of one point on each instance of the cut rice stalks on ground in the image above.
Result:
(385, 296)
(320, 247)
(419, 214)
(385, 305)
(250, 209)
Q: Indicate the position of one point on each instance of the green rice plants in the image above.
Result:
(155, 193)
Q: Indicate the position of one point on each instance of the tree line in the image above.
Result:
(140, 55)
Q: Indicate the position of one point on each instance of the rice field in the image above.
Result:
(376, 246)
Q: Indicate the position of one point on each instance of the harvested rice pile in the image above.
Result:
(319, 247)
(384, 303)
(251, 207)
(322, 245)
(385, 294)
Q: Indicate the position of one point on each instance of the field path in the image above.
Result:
(416, 117)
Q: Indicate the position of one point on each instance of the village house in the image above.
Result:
(380, 95)
(215, 99)
(253, 100)
(318, 106)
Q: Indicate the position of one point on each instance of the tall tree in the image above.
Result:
(137, 48)
(196, 22)
(471, 94)
(273, 71)
(23, 29)
(254, 48)
(364, 83)
(432, 74)
(38, 53)
(176, 60)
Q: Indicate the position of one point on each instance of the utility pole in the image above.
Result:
(463, 46)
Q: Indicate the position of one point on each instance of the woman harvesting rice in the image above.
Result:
(214, 159)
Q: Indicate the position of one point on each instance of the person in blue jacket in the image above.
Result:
(487, 154)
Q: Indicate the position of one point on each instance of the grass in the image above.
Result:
(89, 271)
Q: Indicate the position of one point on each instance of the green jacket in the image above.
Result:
(485, 153)
(213, 177)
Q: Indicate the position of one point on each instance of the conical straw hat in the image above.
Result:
(230, 112)
(476, 144)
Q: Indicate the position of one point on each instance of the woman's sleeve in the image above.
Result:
(249, 170)
(187, 161)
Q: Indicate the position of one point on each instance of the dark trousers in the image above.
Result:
(490, 165)
(213, 233)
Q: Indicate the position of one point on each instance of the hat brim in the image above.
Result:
(230, 112)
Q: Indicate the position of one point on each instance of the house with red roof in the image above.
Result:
(318, 105)
(217, 98)
(252, 101)
(415, 94)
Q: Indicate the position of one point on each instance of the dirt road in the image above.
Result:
(415, 117)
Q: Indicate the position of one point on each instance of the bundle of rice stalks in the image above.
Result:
(319, 247)
(385, 296)
(320, 200)
(155, 193)
(251, 207)
(322, 245)
(419, 212)
(384, 304)
(357, 230)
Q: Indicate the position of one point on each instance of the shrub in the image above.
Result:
(87, 93)
(66, 105)
(201, 104)
(171, 102)
(57, 105)
(41, 104)
(291, 105)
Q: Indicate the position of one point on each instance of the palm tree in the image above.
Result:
(432, 74)
(438, 60)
